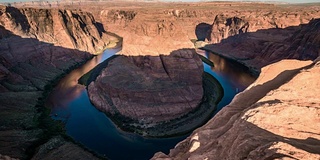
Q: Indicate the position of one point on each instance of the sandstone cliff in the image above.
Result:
(65, 28)
(276, 117)
(154, 95)
(264, 47)
(37, 47)
(28, 65)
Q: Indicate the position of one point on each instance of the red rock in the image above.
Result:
(149, 90)
(37, 46)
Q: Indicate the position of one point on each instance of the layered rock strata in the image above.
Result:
(37, 47)
(258, 49)
(153, 95)
(66, 28)
(173, 25)
(277, 117)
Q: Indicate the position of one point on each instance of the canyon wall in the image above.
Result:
(145, 93)
(65, 28)
(276, 117)
(163, 28)
(258, 49)
(37, 47)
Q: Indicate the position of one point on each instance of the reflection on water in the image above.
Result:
(235, 72)
(233, 77)
(84, 123)
(68, 88)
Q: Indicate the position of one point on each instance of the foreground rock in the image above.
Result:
(278, 115)
(276, 118)
(153, 95)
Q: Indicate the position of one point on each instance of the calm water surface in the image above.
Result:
(84, 123)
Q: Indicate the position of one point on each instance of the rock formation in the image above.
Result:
(224, 27)
(277, 117)
(171, 26)
(33, 56)
(37, 46)
(66, 28)
(271, 45)
(153, 95)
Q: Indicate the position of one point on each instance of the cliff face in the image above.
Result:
(65, 28)
(153, 95)
(146, 33)
(226, 25)
(276, 117)
(33, 55)
(264, 47)
(171, 26)
(37, 46)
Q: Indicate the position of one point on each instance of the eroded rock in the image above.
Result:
(276, 117)
(38, 46)
(151, 94)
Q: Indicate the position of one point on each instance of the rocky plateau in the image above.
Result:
(276, 117)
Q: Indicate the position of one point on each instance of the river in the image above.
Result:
(85, 124)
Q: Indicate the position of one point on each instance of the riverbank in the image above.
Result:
(30, 68)
(54, 135)
(169, 127)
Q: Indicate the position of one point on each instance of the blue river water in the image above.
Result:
(85, 124)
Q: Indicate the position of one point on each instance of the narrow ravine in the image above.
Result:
(87, 125)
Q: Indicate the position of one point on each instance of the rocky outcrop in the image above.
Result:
(65, 28)
(158, 28)
(173, 25)
(28, 64)
(143, 34)
(146, 93)
(264, 47)
(58, 148)
(277, 117)
(37, 47)
(224, 27)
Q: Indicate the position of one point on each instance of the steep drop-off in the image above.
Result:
(258, 49)
(159, 28)
(155, 95)
(278, 115)
(37, 47)
(28, 65)
(66, 28)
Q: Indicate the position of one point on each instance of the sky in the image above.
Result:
(287, 1)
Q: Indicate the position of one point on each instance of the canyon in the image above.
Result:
(155, 96)
(277, 116)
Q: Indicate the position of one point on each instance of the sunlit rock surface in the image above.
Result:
(276, 117)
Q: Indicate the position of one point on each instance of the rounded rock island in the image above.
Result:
(155, 96)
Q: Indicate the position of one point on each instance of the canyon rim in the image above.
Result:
(275, 117)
